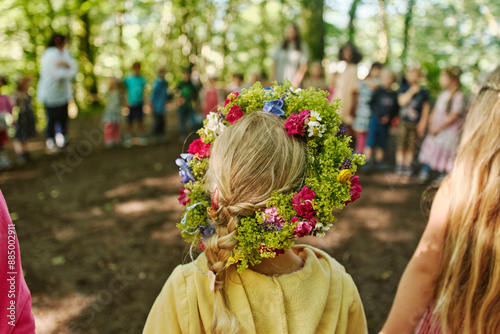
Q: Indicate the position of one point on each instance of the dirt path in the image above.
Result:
(98, 237)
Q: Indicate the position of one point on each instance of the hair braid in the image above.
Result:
(219, 249)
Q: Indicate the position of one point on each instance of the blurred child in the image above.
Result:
(384, 107)
(210, 96)
(159, 98)
(5, 109)
(363, 112)
(237, 84)
(315, 78)
(414, 112)
(439, 147)
(186, 95)
(113, 113)
(452, 281)
(25, 124)
(135, 84)
(331, 86)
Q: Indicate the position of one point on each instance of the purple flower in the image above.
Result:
(342, 131)
(184, 169)
(272, 220)
(274, 107)
(346, 164)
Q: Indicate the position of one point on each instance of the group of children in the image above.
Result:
(379, 104)
(24, 124)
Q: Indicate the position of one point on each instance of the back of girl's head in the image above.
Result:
(470, 296)
(248, 161)
(252, 158)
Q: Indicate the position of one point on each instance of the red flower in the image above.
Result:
(234, 114)
(295, 123)
(264, 249)
(355, 189)
(304, 227)
(231, 97)
(183, 199)
(202, 246)
(200, 148)
(301, 202)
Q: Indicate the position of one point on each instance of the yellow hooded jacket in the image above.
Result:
(319, 298)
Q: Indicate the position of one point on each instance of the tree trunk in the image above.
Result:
(406, 33)
(88, 55)
(313, 32)
(351, 30)
(382, 55)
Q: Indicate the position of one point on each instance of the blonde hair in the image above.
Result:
(248, 161)
(468, 287)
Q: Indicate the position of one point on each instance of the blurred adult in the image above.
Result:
(347, 86)
(58, 68)
(290, 58)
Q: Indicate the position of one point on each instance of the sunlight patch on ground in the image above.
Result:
(168, 232)
(160, 204)
(170, 182)
(65, 234)
(340, 232)
(51, 313)
(373, 217)
(393, 236)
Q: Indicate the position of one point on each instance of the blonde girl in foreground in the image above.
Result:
(301, 290)
(452, 282)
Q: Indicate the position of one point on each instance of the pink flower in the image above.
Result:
(301, 202)
(202, 246)
(231, 97)
(234, 114)
(294, 125)
(183, 199)
(355, 189)
(272, 220)
(304, 227)
(200, 148)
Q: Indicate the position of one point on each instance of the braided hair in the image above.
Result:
(248, 161)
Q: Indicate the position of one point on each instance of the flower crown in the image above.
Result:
(329, 176)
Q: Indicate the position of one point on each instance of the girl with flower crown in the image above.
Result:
(452, 281)
(254, 183)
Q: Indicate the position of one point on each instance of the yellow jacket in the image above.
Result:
(319, 298)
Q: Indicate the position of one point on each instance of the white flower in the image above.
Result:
(315, 129)
(214, 124)
(315, 116)
(296, 90)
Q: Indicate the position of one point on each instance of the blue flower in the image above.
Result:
(184, 169)
(274, 107)
(206, 231)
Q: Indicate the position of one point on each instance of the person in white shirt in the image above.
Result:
(58, 69)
